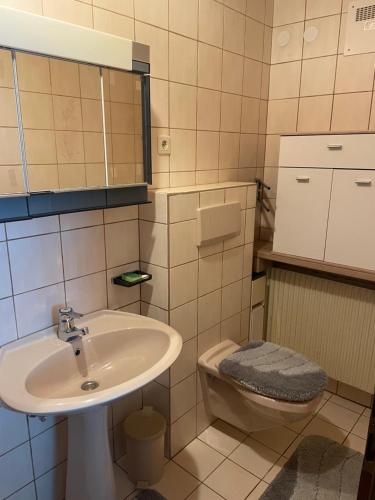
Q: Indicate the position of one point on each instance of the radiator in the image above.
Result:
(332, 323)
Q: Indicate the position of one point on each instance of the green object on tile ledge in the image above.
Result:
(131, 278)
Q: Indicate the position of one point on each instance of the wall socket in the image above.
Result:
(164, 144)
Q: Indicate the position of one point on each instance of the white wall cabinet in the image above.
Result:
(325, 206)
(351, 227)
(301, 222)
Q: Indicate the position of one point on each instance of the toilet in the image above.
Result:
(226, 399)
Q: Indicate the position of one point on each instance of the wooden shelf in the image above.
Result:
(263, 252)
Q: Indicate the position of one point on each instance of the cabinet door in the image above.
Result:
(302, 206)
(351, 236)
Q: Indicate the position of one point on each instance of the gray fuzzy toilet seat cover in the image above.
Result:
(275, 371)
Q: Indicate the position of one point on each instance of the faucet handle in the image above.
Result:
(69, 311)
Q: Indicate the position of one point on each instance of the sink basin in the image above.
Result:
(42, 375)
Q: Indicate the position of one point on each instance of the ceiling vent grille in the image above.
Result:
(360, 28)
(365, 13)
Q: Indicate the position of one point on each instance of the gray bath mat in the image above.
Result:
(149, 495)
(275, 371)
(319, 469)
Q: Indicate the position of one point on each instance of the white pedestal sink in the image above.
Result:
(41, 375)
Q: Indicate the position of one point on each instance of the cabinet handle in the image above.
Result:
(302, 178)
(335, 147)
(363, 182)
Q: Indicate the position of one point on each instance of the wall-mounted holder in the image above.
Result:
(131, 278)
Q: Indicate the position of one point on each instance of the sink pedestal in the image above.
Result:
(90, 472)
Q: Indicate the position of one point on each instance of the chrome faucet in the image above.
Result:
(67, 331)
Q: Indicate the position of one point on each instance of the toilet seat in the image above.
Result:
(209, 362)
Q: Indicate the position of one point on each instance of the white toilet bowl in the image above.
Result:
(226, 399)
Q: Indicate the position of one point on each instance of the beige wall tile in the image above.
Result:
(71, 175)
(37, 110)
(69, 147)
(252, 78)
(272, 150)
(210, 24)
(155, 12)
(285, 80)
(288, 11)
(33, 73)
(67, 113)
(355, 73)
(351, 111)
(183, 17)
(209, 66)
(153, 243)
(40, 147)
(188, 275)
(229, 150)
(6, 74)
(183, 207)
(248, 150)
(159, 103)
(209, 310)
(182, 242)
(183, 152)
(232, 73)
(43, 177)
(318, 76)
(256, 9)
(230, 113)
(113, 23)
(11, 179)
(250, 115)
(89, 79)
(239, 5)
(234, 31)
(207, 150)
(292, 50)
(8, 116)
(210, 273)
(183, 106)
(254, 39)
(64, 78)
(207, 176)
(326, 42)
(267, 45)
(157, 39)
(178, 179)
(282, 116)
(321, 8)
(182, 59)
(208, 110)
(314, 114)
(264, 91)
(9, 147)
(70, 11)
(124, 7)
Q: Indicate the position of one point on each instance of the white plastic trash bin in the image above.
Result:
(145, 431)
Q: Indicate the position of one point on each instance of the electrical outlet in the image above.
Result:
(164, 145)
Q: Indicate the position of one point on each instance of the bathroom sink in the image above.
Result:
(43, 375)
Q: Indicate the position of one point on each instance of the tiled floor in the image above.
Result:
(225, 463)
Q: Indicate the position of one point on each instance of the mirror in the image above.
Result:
(61, 109)
(11, 169)
(123, 118)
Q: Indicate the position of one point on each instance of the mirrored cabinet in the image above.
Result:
(75, 129)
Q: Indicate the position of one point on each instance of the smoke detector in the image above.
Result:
(360, 28)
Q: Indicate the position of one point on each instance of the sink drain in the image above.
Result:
(90, 385)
